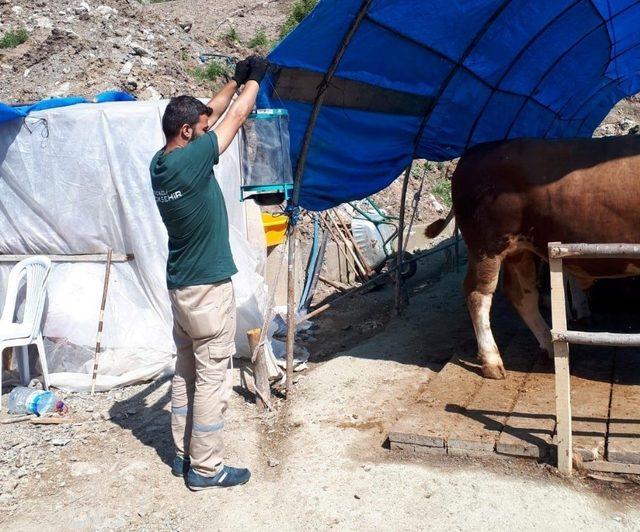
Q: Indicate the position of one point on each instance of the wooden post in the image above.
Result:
(260, 370)
(400, 298)
(101, 321)
(291, 305)
(561, 362)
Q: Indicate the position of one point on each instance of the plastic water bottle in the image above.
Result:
(24, 400)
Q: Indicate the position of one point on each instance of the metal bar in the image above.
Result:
(291, 305)
(594, 251)
(302, 161)
(101, 322)
(400, 301)
(97, 257)
(597, 338)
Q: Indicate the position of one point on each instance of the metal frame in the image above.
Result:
(562, 337)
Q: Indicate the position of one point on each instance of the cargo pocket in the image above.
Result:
(219, 360)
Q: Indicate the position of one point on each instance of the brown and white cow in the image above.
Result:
(512, 198)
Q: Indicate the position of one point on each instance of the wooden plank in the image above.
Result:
(99, 257)
(597, 338)
(561, 365)
(623, 444)
(429, 422)
(592, 373)
(612, 467)
(530, 426)
(593, 251)
(481, 422)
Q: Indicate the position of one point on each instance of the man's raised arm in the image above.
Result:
(242, 107)
(222, 99)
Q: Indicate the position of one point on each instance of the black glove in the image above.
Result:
(242, 72)
(259, 66)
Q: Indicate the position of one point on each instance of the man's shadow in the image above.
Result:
(151, 425)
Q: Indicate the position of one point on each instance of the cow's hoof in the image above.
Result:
(494, 371)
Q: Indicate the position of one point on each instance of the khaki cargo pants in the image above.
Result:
(204, 326)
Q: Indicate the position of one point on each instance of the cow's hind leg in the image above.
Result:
(479, 287)
(521, 289)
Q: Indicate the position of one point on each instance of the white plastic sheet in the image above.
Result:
(76, 180)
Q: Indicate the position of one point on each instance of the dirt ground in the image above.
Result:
(319, 463)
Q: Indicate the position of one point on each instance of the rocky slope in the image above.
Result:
(82, 48)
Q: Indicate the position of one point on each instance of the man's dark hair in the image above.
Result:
(180, 111)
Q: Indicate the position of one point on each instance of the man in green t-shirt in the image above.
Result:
(199, 270)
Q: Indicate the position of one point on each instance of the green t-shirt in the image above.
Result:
(193, 210)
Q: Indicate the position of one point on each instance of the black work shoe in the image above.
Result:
(181, 465)
(228, 477)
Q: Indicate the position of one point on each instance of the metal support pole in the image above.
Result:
(401, 299)
(297, 181)
(291, 304)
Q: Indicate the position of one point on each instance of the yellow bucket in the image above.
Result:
(275, 228)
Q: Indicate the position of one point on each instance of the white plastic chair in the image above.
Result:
(27, 332)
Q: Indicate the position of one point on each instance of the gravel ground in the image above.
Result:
(320, 462)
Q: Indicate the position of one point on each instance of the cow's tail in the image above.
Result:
(435, 228)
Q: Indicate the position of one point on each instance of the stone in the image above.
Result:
(436, 204)
(82, 469)
(43, 22)
(60, 442)
(105, 415)
(62, 90)
(272, 462)
(17, 10)
(6, 498)
(126, 68)
(82, 7)
(148, 62)
(105, 11)
(139, 50)
(153, 93)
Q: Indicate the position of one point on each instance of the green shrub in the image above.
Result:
(259, 40)
(231, 36)
(299, 10)
(442, 189)
(11, 39)
(210, 72)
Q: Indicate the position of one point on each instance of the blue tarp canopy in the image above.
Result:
(8, 112)
(431, 78)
